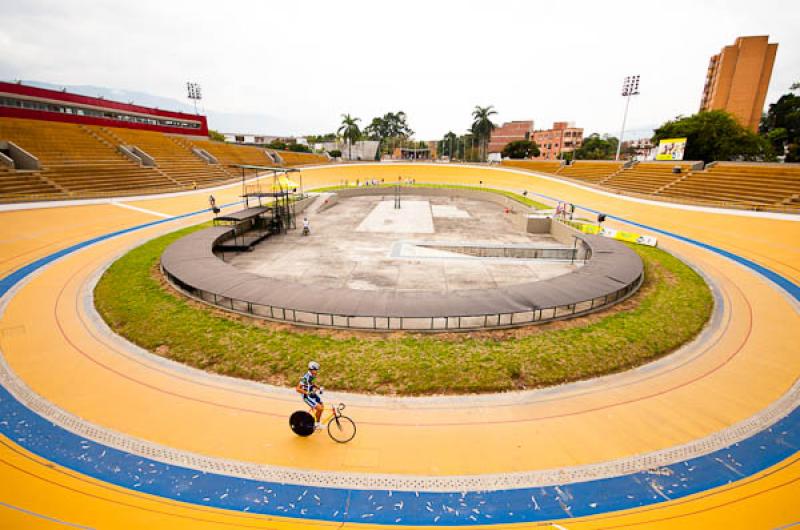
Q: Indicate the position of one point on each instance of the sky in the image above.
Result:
(298, 66)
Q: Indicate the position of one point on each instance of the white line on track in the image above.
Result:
(143, 210)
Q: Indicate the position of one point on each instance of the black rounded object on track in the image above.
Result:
(302, 423)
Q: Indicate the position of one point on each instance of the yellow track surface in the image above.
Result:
(51, 342)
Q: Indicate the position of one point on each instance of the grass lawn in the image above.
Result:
(671, 308)
(516, 196)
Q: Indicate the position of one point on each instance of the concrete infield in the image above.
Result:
(611, 274)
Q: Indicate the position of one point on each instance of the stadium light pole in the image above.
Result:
(630, 87)
(194, 93)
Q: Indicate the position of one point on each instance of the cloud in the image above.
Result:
(306, 63)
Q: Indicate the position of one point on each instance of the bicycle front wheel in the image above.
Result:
(342, 429)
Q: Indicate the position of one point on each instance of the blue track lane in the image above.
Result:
(53, 443)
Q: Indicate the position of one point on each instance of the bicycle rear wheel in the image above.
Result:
(342, 429)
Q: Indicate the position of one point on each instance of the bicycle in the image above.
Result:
(341, 428)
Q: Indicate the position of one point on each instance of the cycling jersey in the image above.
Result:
(307, 382)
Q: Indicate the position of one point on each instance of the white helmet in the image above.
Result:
(313, 365)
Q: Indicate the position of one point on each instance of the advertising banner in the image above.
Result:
(619, 235)
(671, 149)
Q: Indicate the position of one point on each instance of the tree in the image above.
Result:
(335, 153)
(350, 132)
(391, 125)
(299, 148)
(216, 136)
(715, 135)
(781, 125)
(321, 138)
(520, 149)
(448, 145)
(482, 127)
(277, 144)
(596, 147)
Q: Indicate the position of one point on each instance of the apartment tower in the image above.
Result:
(738, 78)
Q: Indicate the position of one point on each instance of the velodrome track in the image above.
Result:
(97, 434)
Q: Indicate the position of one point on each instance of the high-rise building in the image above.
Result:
(738, 78)
(563, 137)
(509, 132)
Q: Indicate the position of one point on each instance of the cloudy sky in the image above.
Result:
(302, 64)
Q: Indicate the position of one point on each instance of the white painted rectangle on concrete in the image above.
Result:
(448, 211)
(413, 217)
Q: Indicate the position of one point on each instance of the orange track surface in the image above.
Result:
(50, 342)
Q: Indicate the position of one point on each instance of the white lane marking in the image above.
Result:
(45, 517)
(143, 210)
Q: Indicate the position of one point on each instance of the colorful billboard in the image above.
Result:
(611, 233)
(671, 149)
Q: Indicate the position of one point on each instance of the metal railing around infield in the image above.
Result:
(398, 323)
(388, 323)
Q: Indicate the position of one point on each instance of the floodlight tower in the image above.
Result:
(630, 87)
(194, 93)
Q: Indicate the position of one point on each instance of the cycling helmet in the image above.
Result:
(313, 365)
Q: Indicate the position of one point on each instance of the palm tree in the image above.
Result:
(482, 126)
(350, 132)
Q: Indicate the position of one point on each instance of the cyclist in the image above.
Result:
(309, 389)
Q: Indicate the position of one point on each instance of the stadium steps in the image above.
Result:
(73, 159)
(771, 185)
(229, 154)
(173, 159)
(543, 166)
(22, 185)
(589, 171)
(292, 158)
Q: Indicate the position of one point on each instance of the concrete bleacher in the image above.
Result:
(543, 166)
(745, 184)
(15, 185)
(291, 158)
(73, 162)
(173, 156)
(228, 154)
(648, 177)
(749, 185)
(594, 171)
(85, 161)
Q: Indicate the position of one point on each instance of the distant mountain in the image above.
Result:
(219, 121)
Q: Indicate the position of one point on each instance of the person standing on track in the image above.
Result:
(310, 390)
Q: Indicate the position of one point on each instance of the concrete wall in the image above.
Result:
(147, 160)
(6, 161)
(301, 205)
(205, 156)
(129, 154)
(22, 159)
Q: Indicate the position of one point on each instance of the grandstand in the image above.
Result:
(291, 158)
(748, 185)
(173, 156)
(71, 146)
(73, 162)
(228, 154)
(543, 166)
(594, 171)
(648, 177)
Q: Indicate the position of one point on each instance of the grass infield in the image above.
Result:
(672, 306)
